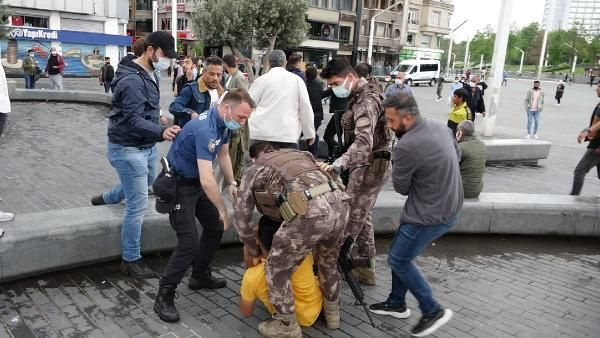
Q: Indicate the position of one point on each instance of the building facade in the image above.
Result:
(565, 14)
(83, 31)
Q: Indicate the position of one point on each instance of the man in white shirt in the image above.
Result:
(283, 109)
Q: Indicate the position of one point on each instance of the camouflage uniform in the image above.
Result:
(320, 229)
(364, 127)
(238, 149)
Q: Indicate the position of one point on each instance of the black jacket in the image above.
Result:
(336, 103)
(474, 100)
(135, 109)
(315, 88)
(296, 71)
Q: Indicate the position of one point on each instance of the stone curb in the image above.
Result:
(79, 96)
(40, 242)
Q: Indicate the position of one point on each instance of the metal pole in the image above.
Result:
(574, 64)
(498, 59)
(450, 46)
(154, 16)
(481, 63)
(356, 37)
(465, 64)
(522, 58)
(174, 21)
(542, 55)
(453, 59)
(372, 30)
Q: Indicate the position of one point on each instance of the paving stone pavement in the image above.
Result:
(497, 286)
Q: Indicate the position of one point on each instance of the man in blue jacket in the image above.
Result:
(133, 130)
(198, 97)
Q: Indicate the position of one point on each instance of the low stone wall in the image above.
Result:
(46, 241)
(79, 96)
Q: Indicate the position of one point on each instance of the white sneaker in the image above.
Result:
(535, 137)
(6, 216)
(528, 136)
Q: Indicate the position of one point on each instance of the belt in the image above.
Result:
(379, 154)
(321, 189)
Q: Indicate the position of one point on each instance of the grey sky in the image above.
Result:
(481, 13)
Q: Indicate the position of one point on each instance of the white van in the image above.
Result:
(418, 71)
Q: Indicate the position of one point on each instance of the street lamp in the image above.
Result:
(372, 30)
(453, 59)
(574, 58)
(522, 57)
(450, 47)
(154, 16)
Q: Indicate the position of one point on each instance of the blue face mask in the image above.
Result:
(163, 63)
(231, 124)
(341, 91)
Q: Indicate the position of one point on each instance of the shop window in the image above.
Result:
(344, 34)
(321, 31)
(30, 21)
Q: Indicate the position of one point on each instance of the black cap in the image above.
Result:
(165, 41)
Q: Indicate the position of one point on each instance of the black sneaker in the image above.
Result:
(207, 282)
(136, 269)
(430, 323)
(98, 200)
(164, 305)
(395, 311)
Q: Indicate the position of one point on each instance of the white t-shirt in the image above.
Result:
(214, 97)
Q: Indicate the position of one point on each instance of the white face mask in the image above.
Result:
(163, 63)
(31, 54)
(399, 81)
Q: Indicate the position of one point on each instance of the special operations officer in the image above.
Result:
(198, 197)
(289, 187)
(367, 156)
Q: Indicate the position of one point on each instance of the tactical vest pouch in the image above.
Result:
(267, 204)
(381, 160)
(285, 209)
(298, 202)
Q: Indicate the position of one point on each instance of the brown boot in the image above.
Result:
(281, 326)
(332, 314)
(367, 274)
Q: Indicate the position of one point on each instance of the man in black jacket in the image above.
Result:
(474, 99)
(107, 73)
(315, 88)
(133, 130)
(293, 65)
(336, 104)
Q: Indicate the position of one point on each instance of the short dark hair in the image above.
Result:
(362, 70)
(311, 73)
(267, 228)
(462, 93)
(106, 58)
(337, 67)
(402, 102)
(237, 96)
(214, 60)
(294, 59)
(259, 147)
(139, 47)
(30, 51)
(229, 60)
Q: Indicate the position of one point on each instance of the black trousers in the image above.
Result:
(191, 204)
(589, 160)
(3, 117)
(330, 134)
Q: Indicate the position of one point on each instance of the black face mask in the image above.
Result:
(536, 87)
(108, 63)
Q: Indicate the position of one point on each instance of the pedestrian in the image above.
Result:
(440, 88)
(593, 73)
(177, 72)
(534, 103)
(337, 107)
(472, 161)
(366, 157)
(315, 224)
(560, 89)
(283, 109)
(480, 84)
(430, 177)
(133, 130)
(190, 74)
(198, 196)
(308, 298)
(30, 67)
(315, 89)
(504, 78)
(240, 139)
(591, 157)
(475, 100)
(399, 87)
(364, 71)
(457, 84)
(294, 63)
(107, 73)
(199, 96)
(4, 111)
(460, 111)
(54, 69)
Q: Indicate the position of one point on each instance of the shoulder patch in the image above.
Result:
(363, 122)
(203, 116)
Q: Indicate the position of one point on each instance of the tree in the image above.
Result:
(239, 24)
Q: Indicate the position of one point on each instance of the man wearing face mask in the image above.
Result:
(133, 130)
(198, 196)
(54, 69)
(534, 103)
(426, 169)
(472, 160)
(398, 87)
(366, 157)
(474, 99)
(199, 96)
(29, 69)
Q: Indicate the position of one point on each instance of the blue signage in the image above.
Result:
(27, 33)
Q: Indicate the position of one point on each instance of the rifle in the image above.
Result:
(345, 265)
(339, 148)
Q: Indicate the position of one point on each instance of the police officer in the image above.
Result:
(289, 187)
(198, 196)
(367, 155)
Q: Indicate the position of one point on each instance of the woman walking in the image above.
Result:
(560, 89)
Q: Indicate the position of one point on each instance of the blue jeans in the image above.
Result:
(408, 243)
(29, 82)
(533, 117)
(137, 170)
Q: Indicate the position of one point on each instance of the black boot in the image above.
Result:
(207, 281)
(164, 305)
